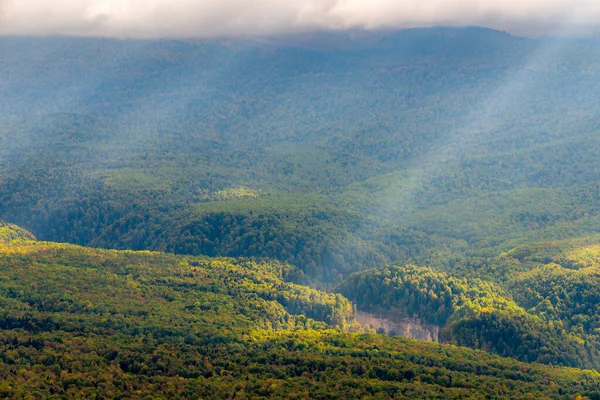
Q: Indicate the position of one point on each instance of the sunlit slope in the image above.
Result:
(85, 323)
(10, 232)
(544, 307)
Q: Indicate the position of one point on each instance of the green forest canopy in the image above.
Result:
(83, 323)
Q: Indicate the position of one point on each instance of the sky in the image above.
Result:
(210, 18)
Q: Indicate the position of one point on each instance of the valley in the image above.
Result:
(243, 218)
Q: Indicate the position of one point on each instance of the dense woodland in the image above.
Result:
(333, 152)
(521, 322)
(253, 194)
(84, 323)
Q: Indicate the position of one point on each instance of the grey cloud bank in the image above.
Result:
(206, 18)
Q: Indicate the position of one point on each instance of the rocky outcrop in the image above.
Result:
(405, 327)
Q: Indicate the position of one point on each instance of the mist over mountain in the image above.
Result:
(417, 118)
(205, 18)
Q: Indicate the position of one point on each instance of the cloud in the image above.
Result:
(205, 18)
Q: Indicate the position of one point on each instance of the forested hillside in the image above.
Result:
(10, 232)
(544, 308)
(333, 152)
(241, 199)
(86, 323)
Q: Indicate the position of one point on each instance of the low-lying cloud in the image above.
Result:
(205, 18)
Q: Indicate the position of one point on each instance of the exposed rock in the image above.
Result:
(405, 327)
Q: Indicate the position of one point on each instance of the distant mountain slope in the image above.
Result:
(430, 146)
(85, 323)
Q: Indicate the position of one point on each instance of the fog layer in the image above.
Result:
(206, 18)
